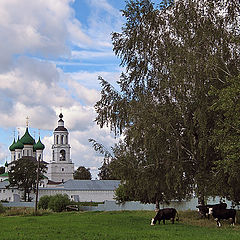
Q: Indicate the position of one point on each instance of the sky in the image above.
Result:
(52, 53)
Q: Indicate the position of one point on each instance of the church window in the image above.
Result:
(53, 156)
(62, 169)
(12, 190)
(62, 155)
(19, 155)
(62, 139)
(66, 139)
(57, 139)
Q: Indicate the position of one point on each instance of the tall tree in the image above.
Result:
(23, 175)
(173, 54)
(82, 173)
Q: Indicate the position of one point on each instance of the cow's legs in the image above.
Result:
(172, 220)
(232, 221)
(218, 222)
(164, 221)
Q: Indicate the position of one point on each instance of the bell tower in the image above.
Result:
(61, 167)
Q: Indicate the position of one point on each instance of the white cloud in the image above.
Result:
(33, 27)
(88, 96)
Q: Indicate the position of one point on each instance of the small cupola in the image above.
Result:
(12, 147)
(39, 145)
(61, 124)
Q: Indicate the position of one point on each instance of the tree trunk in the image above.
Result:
(157, 205)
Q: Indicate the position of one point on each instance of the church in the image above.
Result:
(60, 169)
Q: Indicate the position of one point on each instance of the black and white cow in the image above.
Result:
(204, 209)
(219, 214)
(165, 214)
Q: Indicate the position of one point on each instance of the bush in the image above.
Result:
(43, 202)
(59, 202)
(2, 208)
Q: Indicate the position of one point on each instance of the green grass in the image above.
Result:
(112, 225)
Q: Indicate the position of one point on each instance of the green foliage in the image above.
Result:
(23, 175)
(226, 137)
(58, 202)
(82, 173)
(173, 55)
(122, 193)
(2, 208)
(43, 202)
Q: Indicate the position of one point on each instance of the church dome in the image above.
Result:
(27, 139)
(39, 145)
(19, 145)
(61, 124)
(12, 147)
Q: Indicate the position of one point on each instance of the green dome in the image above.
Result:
(27, 139)
(18, 144)
(12, 147)
(38, 145)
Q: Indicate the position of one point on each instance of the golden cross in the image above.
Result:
(27, 122)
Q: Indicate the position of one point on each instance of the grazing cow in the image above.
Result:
(204, 209)
(165, 214)
(219, 214)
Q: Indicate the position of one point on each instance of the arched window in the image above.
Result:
(66, 139)
(57, 139)
(53, 156)
(62, 139)
(62, 155)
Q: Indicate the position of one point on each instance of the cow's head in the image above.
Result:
(210, 211)
(152, 222)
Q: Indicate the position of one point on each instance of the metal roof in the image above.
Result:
(91, 185)
(3, 184)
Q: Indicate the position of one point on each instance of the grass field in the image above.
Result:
(112, 225)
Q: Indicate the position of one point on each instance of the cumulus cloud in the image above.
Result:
(33, 27)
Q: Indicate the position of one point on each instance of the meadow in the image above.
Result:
(112, 226)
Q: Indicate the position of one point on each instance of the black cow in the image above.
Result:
(204, 209)
(219, 214)
(165, 214)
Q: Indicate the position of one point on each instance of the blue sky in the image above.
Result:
(52, 53)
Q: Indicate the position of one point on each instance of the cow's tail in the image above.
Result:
(177, 218)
